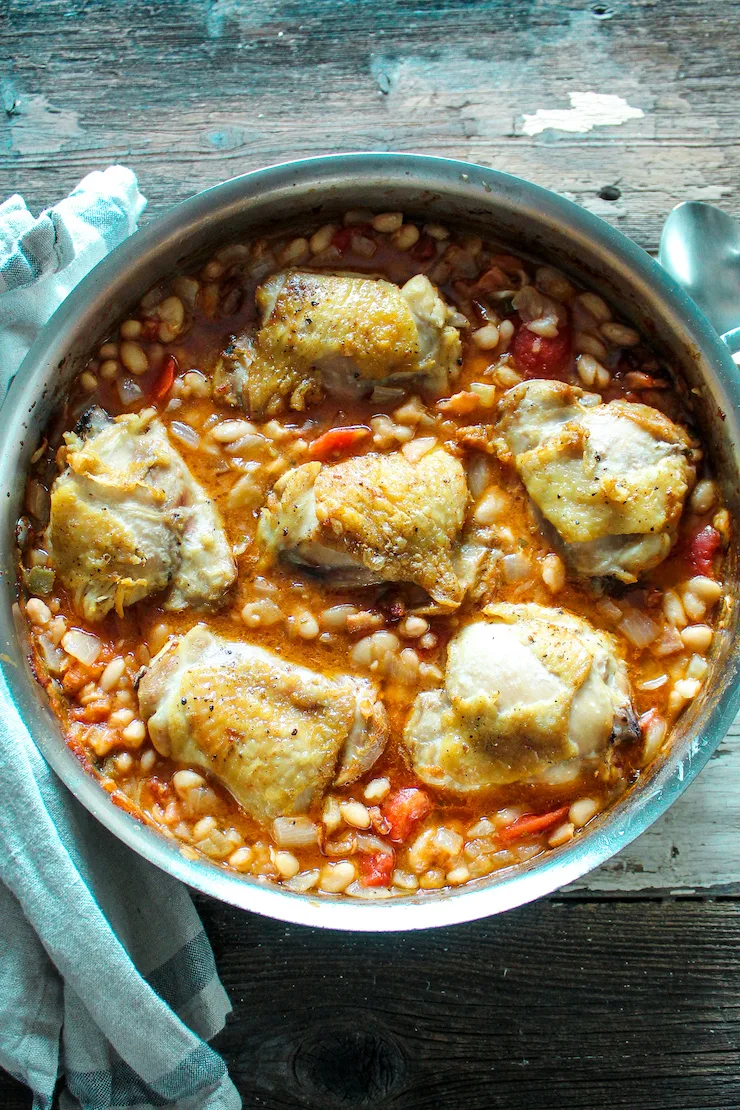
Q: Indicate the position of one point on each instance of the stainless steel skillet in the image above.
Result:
(534, 221)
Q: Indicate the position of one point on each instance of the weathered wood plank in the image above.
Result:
(566, 1006)
(563, 1003)
(577, 1006)
(694, 847)
(193, 91)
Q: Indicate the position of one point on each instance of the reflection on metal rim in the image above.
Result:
(506, 208)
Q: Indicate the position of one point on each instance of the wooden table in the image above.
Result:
(621, 991)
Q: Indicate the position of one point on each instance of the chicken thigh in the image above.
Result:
(531, 694)
(610, 478)
(374, 518)
(340, 333)
(275, 734)
(128, 520)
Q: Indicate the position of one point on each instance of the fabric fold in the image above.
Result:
(107, 978)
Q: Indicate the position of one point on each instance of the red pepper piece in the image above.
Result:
(164, 382)
(377, 869)
(703, 548)
(404, 809)
(530, 823)
(337, 440)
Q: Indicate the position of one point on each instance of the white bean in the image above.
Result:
(388, 221)
(697, 637)
(486, 338)
(405, 237)
(112, 673)
(553, 572)
(704, 496)
(705, 588)
(595, 306)
(355, 814)
(336, 877)
(134, 732)
(134, 357)
(287, 864)
(322, 238)
(185, 781)
(377, 790)
(619, 334)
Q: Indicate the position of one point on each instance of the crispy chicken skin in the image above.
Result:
(274, 733)
(339, 333)
(374, 518)
(531, 694)
(128, 520)
(610, 478)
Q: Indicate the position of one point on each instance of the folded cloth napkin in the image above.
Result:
(107, 979)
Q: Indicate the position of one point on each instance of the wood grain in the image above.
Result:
(693, 848)
(194, 91)
(566, 1006)
(584, 1001)
(557, 1005)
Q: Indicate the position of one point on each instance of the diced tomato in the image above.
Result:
(530, 823)
(337, 440)
(702, 549)
(377, 869)
(150, 328)
(538, 357)
(342, 238)
(404, 809)
(164, 382)
(160, 791)
(424, 249)
(75, 678)
(94, 713)
(494, 280)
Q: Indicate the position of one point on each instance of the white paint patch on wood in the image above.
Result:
(695, 846)
(38, 127)
(588, 110)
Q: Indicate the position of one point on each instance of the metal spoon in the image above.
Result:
(700, 248)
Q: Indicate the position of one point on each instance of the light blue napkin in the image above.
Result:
(106, 976)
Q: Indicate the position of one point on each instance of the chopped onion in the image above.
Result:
(303, 882)
(386, 395)
(372, 844)
(653, 683)
(609, 611)
(517, 567)
(669, 643)
(479, 475)
(639, 629)
(294, 832)
(129, 391)
(370, 893)
(54, 659)
(81, 646)
(38, 501)
(184, 433)
(247, 442)
(418, 448)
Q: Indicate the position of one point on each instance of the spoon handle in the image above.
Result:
(732, 339)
